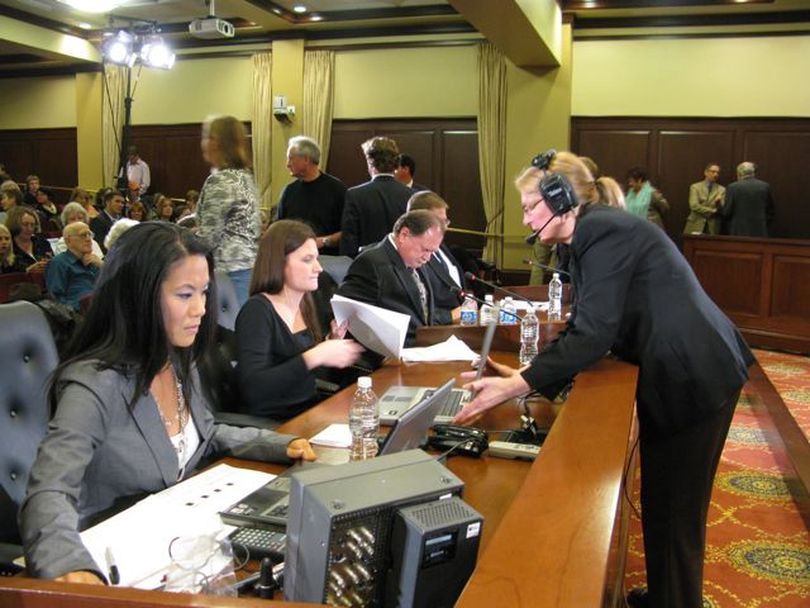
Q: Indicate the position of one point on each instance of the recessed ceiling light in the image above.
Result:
(315, 18)
(93, 6)
(299, 8)
(84, 25)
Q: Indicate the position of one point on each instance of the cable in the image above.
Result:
(624, 478)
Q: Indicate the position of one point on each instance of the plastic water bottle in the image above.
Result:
(508, 312)
(469, 312)
(364, 421)
(529, 326)
(555, 298)
(487, 310)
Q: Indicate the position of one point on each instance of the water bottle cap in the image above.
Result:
(364, 382)
(556, 275)
(488, 297)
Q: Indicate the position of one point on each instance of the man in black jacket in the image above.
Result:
(372, 208)
(749, 204)
(638, 298)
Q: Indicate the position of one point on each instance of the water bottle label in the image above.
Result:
(469, 317)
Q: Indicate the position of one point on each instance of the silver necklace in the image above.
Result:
(180, 417)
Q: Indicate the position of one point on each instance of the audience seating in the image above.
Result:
(27, 358)
(336, 265)
(8, 281)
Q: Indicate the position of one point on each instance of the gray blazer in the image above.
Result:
(99, 454)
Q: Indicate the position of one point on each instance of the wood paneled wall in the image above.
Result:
(48, 153)
(676, 150)
(446, 156)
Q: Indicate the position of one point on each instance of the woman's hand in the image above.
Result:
(38, 266)
(490, 392)
(504, 371)
(300, 449)
(80, 576)
(338, 332)
(333, 353)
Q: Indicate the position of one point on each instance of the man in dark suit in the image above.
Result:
(445, 274)
(372, 208)
(637, 297)
(101, 224)
(391, 273)
(749, 208)
(405, 171)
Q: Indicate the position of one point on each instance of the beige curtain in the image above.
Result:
(262, 125)
(491, 142)
(319, 93)
(112, 119)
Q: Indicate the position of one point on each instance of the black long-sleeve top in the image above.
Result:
(273, 379)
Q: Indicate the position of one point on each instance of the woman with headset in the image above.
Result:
(637, 297)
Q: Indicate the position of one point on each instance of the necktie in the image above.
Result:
(422, 293)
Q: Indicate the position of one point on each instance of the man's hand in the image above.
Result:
(80, 576)
(300, 449)
(490, 392)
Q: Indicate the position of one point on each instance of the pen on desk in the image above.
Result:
(114, 577)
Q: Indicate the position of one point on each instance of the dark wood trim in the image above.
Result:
(713, 35)
(714, 20)
(50, 24)
(67, 70)
(583, 5)
(789, 437)
(355, 15)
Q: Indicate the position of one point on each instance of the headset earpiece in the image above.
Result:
(558, 193)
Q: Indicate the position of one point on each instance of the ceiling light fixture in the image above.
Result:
(314, 17)
(93, 6)
(299, 8)
(84, 25)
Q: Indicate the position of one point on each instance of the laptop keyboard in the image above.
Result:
(452, 404)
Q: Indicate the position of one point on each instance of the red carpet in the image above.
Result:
(758, 547)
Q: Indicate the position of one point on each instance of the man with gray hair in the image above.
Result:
(72, 274)
(315, 197)
(749, 208)
(373, 207)
(391, 274)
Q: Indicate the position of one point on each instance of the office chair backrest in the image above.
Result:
(336, 265)
(27, 358)
(227, 302)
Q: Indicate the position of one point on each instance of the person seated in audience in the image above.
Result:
(130, 418)
(164, 208)
(31, 189)
(113, 206)
(72, 274)
(9, 199)
(192, 197)
(8, 261)
(118, 228)
(137, 212)
(47, 211)
(82, 196)
(390, 274)
(279, 339)
(98, 203)
(74, 212)
(181, 211)
(31, 247)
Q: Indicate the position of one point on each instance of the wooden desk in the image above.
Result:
(553, 530)
(506, 338)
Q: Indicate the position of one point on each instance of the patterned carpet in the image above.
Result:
(758, 547)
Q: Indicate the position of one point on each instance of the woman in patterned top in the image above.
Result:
(228, 211)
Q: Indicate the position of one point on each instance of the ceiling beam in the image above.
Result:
(528, 32)
(50, 43)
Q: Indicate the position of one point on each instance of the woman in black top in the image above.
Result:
(278, 336)
(30, 247)
(8, 261)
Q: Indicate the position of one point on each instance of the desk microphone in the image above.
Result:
(466, 294)
(544, 267)
(474, 279)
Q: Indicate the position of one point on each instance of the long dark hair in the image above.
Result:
(123, 328)
(278, 241)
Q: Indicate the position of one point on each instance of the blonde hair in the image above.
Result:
(588, 191)
(8, 259)
(229, 135)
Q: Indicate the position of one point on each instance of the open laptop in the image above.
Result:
(268, 505)
(398, 400)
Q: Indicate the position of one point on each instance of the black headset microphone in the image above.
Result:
(555, 189)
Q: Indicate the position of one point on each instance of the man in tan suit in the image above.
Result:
(705, 200)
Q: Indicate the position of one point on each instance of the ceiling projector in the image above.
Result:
(210, 28)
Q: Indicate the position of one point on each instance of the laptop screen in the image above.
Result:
(412, 428)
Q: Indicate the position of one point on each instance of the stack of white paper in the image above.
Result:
(451, 349)
(378, 329)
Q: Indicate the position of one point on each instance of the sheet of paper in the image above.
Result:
(378, 329)
(524, 306)
(334, 436)
(452, 349)
(139, 537)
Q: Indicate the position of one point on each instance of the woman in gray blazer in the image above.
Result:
(130, 418)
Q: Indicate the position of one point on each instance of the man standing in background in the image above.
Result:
(749, 203)
(315, 197)
(406, 169)
(705, 200)
(373, 207)
(137, 173)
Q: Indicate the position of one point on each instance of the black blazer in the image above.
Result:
(379, 277)
(445, 291)
(370, 212)
(638, 297)
(748, 208)
(100, 225)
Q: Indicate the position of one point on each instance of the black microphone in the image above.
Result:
(533, 236)
(544, 267)
(267, 584)
(474, 279)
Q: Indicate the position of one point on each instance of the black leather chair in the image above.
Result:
(336, 265)
(27, 358)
